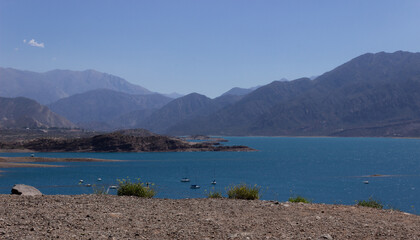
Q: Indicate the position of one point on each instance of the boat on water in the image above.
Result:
(213, 182)
(194, 186)
(185, 179)
(366, 182)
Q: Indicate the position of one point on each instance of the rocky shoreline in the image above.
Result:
(137, 140)
(114, 217)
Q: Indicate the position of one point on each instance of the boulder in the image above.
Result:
(22, 189)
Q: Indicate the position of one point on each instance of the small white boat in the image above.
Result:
(88, 185)
(366, 182)
(213, 182)
(113, 187)
(99, 179)
(194, 186)
(185, 179)
(80, 181)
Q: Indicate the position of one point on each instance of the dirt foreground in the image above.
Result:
(113, 217)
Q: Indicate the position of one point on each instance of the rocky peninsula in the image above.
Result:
(138, 140)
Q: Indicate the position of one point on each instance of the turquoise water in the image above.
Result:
(326, 170)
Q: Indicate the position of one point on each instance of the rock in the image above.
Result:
(326, 236)
(22, 189)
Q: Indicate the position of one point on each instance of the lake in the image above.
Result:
(325, 170)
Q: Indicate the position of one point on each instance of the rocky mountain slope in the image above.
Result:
(372, 93)
(26, 113)
(184, 108)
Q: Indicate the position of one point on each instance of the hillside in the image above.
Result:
(53, 85)
(184, 108)
(236, 118)
(371, 93)
(104, 105)
(26, 113)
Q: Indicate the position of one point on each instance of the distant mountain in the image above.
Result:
(134, 119)
(371, 95)
(53, 85)
(104, 105)
(234, 119)
(26, 113)
(173, 95)
(184, 108)
(239, 91)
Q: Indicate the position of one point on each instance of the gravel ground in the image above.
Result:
(113, 217)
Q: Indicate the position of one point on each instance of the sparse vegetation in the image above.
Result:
(214, 194)
(299, 199)
(99, 190)
(243, 191)
(370, 203)
(138, 189)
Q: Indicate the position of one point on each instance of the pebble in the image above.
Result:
(326, 236)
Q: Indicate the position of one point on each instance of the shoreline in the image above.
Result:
(286, 136)
(20, 162)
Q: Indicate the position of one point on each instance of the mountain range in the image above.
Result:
(371, 95)
(51, 86)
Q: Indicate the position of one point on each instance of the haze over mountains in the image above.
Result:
(103, 105)
(51, 86)
(371, 95)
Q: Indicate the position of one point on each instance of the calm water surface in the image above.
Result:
(326, 170)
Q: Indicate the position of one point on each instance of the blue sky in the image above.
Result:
(202, 46)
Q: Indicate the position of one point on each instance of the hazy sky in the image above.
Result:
(202, 46)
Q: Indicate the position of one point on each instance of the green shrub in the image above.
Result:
(370, 203)
(243, 191)
(214, 194)
(138, 189)
(299, 199)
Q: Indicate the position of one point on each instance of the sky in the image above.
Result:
(204, 46)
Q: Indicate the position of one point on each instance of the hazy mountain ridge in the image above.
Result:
(240, 91)
(103, 105)
(26, 113)
(53, 85)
